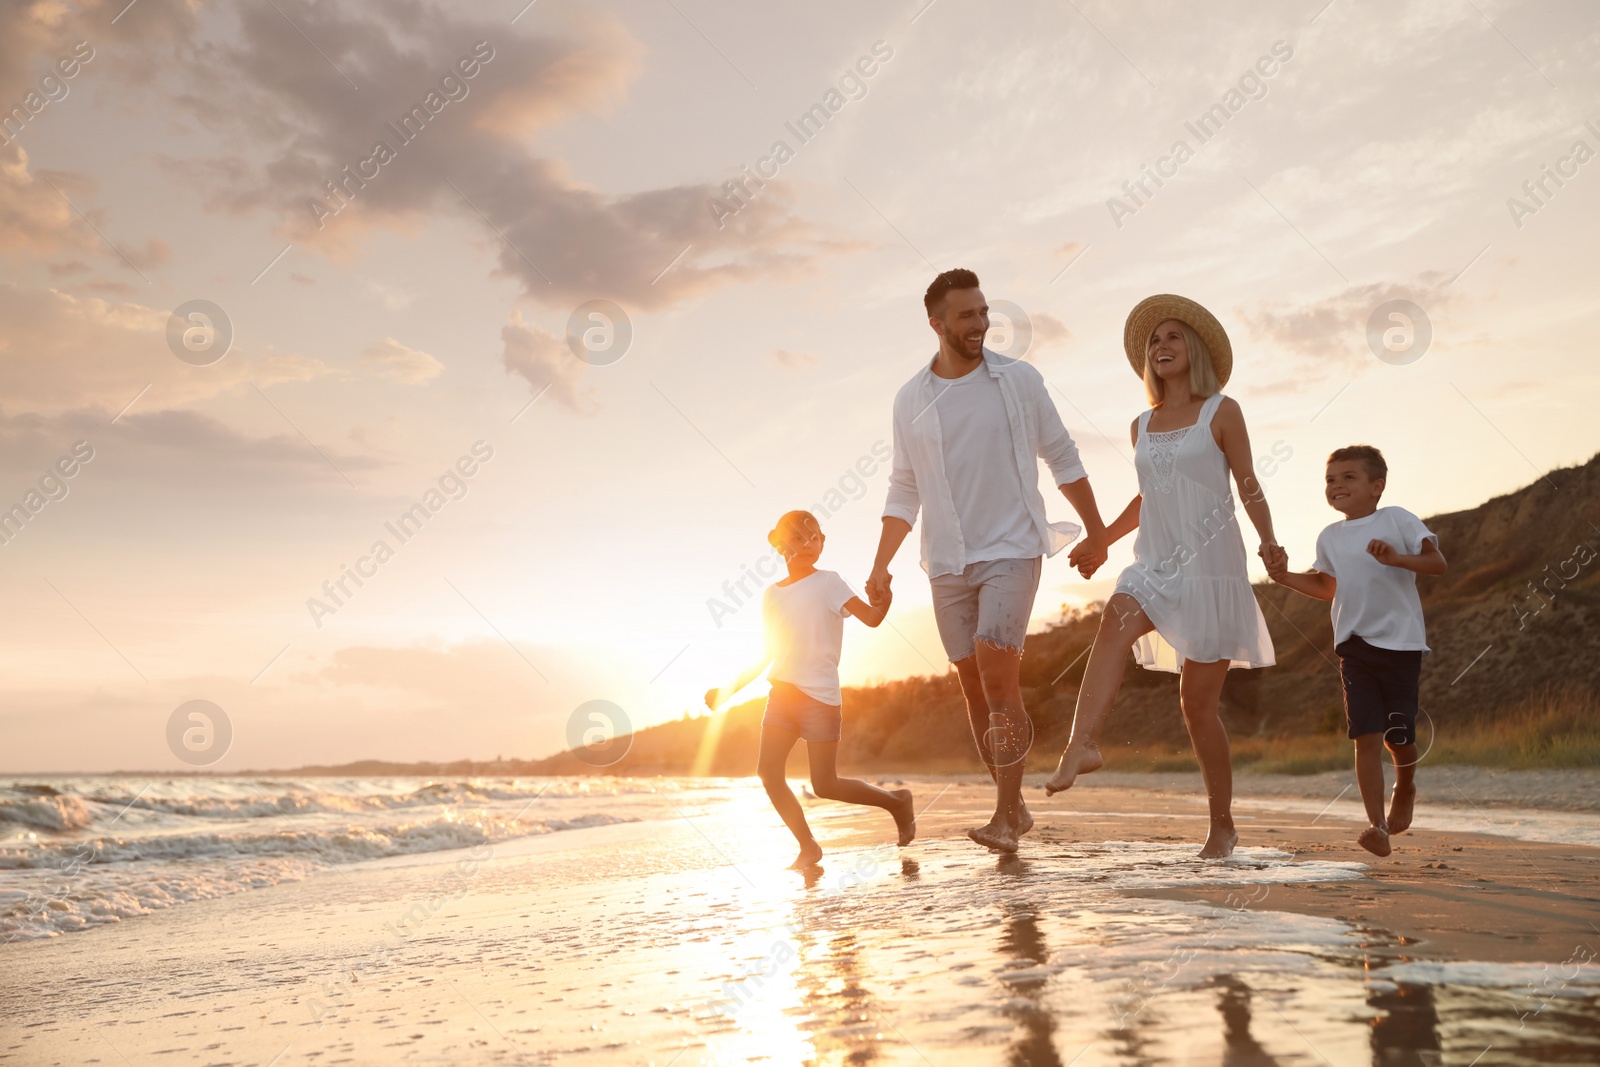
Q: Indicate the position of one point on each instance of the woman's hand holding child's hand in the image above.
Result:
(1276, 557)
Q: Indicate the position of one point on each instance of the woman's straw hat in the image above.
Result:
(1152, 311)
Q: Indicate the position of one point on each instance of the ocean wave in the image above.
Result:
(55, 812)
(343, 844)
(54, 888)
(44, 807)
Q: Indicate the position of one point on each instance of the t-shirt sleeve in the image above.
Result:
(838, 592)
(1323, 563)
(1414, 531)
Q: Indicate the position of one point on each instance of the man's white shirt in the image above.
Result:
(966, 453)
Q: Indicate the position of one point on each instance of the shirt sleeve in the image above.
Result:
(903, 501)
(1056, 447)
(839, 594)
(1323, 563)
(1414, 531)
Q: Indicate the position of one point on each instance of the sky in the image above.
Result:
(536, 318)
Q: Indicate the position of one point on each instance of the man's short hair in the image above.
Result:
(960, 278)
(1367, 456)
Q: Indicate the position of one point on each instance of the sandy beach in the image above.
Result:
(674, 936)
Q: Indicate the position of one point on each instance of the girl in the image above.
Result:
(804, 616)
(1185, 605)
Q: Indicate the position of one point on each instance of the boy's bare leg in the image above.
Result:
(1200, 691)
(1369, 779)
(824, 757)
(1004, 742)
(776, 743)
(1122, 622)
(978, 717)
(1403, 803)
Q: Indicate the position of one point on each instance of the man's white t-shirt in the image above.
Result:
(982, 471)
(805, 630)
(1374, 601)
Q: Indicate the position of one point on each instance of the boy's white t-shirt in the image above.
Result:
(805, 630)
(1372, 600)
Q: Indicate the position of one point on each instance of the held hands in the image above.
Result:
(1276, 557)
(1087, 556)
(878, 592)
(880, 597)
(1383, 552)
(713, 698)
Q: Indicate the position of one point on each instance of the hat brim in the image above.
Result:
(1152, 311)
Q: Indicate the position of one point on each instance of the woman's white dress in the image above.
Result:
(1189, 559)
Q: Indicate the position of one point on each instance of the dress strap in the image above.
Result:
(1144, 420)
(1209, 408)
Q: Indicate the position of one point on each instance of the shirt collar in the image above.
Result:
(994, 361)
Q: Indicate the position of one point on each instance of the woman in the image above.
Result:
(1185, 605)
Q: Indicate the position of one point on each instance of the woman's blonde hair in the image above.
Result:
(1202, 376)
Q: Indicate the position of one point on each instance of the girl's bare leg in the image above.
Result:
(1200, 690)
(776, 743)
(1122, 622)
(824, 757)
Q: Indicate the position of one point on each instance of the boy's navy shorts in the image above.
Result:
(1380, 690)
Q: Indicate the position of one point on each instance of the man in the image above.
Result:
(969, 431)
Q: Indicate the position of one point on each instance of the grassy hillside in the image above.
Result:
(1514, 680)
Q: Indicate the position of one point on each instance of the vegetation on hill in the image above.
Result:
(1513, 681)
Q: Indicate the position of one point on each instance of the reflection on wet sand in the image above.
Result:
(1021, 940)
(1405, 1032)
(1240, 1047)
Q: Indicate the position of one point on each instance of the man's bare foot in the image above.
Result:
(1001, 838)
(1375, 839)
(1401, 805)
(905, 816)
(1220, 841)
(809, 855)
(1073, 763)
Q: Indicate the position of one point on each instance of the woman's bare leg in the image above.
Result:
(1200, 690)
(776, 743)
(1122, 622)
(824, 757)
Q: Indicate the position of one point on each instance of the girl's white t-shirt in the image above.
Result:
(805, 630)
(1373, 600)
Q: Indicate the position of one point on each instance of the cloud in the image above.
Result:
(1334, 330)
(786, 358)
(474, 157)
(546, 363)
(34, 218)
(174, 451)
(60, 352)
(394, 360)
(391, 297)
(1048, 330)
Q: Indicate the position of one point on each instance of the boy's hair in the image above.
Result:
(789, 525)
(960, 278)
(1367, 456)
(1202, 374)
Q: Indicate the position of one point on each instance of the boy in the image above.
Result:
(1367, 565)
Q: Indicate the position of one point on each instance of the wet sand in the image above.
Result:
(681, 940)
